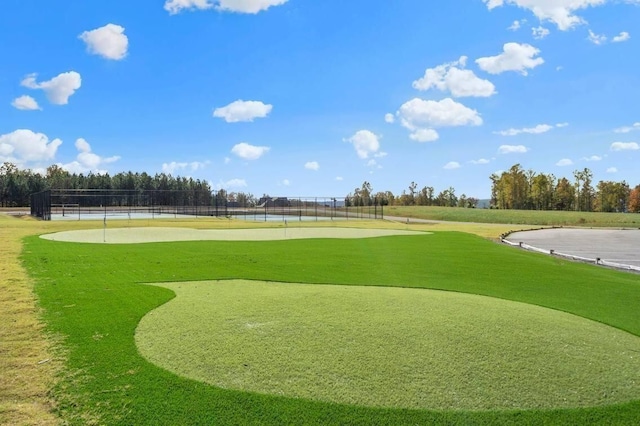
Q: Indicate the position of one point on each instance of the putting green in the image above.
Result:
(388, 347)
(168, 234)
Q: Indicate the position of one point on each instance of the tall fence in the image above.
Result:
(97, 203)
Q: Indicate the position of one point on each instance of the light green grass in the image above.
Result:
(92, 297)
(389, 347)
(519, 217)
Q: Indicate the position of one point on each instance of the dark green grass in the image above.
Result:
(522, 217)
(91, 297)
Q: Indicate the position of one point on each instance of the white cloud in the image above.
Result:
(109, 41)
(612, 170)
(560, 125)
(454, 78)
(597, 39)
(628, 129)
(312, 165)
(249, 152)
(418, 113)
(243, 111)
(512, 149)
(58, 89)
(517, 25)
(623, 36)
(560, 12)
(286, 182)
(539, 32)
(625, 146)
(24, 145)
(173, 167)
(540, 128)
(480, 161)
(87, 161)
(593, 158)
(452, 165)
(389, 118)
(564, 162)
(176, 6)
(515, 57)
(339, 178)
(424, 135)
(25, 103)
(233, 183)
(365, 143)
(239, 6)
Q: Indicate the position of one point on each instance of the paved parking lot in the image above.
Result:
(612, 245)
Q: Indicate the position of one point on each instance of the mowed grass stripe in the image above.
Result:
(91, 296)
(389, 347)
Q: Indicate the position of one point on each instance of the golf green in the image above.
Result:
(388, 347)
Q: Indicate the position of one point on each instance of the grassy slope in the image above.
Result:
(90, 295)
(529, 217)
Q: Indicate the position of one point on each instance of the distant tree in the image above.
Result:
(633, 205)
(565, 195)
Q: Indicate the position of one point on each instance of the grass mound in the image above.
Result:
(388, 347)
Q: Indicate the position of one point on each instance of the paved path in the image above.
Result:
(612, 245)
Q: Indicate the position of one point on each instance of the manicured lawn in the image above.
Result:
(93, 299)
(519, 217)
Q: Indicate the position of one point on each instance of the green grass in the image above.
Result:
(388, 347)
(92, 297)
(518, 217)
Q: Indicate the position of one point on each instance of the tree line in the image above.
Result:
(513, 189)
(426, 196)
(529, 190)
(17, 185)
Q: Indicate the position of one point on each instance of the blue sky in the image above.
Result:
(311, 98)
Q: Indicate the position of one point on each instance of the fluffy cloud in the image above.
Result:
(480, 161)
(243, 111)
(312, 165)
(593, 158)
(452, 165)
(539, 32)
(628, 129)
(454, 78)
(515, 57)
(625, 146)
(389, 118)
(540, 128)
(24, 145)
(600, 39)
(25, 103)
(176, 6)
(108, 41)
(87, 161)
(365, 142)
(560, 12)
(612, 170)
(239, 6)
(173, 167)
(517, 25)
(623, 36)
(249, 152)
(233, 183)
(418, 113)
(512, 149)
(424, 135)
(58, 89)
(564, 162)
(597, 39)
